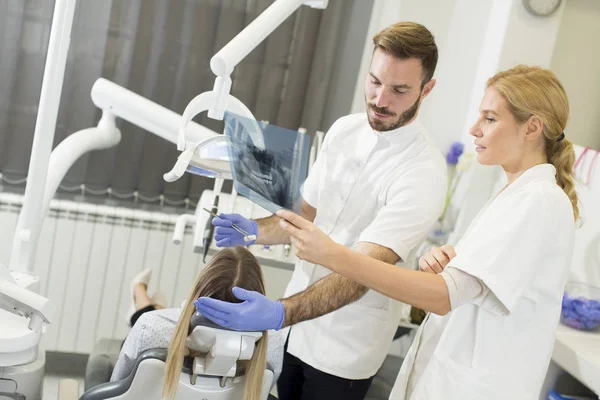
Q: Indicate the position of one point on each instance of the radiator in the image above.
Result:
(88, 254)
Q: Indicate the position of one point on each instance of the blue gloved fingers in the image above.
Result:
(220, 230)
(214, 312)
(244, 294)
(216, 320)
(217, 305)
(220, 237)
(221, 222)
(211, 312)
(236, 218)
(226, 232)
(223, 242)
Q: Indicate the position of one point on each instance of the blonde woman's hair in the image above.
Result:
(530, 91)
(228, 268)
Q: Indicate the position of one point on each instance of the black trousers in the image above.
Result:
(139, 313)
(300, 381)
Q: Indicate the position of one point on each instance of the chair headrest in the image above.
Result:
(223, 347)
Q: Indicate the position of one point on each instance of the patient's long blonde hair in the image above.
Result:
(228, 268)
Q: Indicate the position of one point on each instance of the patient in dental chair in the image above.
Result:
(169, 327)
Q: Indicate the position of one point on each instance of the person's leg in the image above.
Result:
(159, 299)
(142, 302)
(319, 385)
(291, 380)
(140, 296)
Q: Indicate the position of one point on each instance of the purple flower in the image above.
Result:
(454, 153)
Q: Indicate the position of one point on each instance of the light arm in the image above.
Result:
(140, 111)
(114, 101)
(219, 100)
(223, 63)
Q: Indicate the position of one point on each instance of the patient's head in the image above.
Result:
(228, 268)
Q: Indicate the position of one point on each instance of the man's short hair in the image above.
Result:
(409, 40)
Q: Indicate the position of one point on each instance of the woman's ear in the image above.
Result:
(535, 128)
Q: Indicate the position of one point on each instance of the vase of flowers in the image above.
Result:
(458, 162)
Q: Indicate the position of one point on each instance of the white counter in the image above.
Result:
(578, 353)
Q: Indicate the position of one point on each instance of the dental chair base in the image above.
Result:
(23, 382)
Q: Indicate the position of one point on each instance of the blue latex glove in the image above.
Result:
(226, 236)
(256, 313)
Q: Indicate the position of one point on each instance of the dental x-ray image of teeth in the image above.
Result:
(268, 163)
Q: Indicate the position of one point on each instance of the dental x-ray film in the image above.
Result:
(268, 163)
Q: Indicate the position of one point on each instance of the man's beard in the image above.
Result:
(381, 126)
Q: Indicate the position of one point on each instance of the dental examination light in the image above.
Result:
(219, 100)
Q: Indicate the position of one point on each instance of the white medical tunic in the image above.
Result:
(498, 346)
(385, 188)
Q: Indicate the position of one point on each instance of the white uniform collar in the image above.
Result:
(544, 172)
(401, 134)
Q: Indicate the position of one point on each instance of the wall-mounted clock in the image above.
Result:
(542, 8)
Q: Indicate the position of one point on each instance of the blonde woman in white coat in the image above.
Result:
(494, 301)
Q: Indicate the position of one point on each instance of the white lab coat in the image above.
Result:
(385, 188)
(499, 346)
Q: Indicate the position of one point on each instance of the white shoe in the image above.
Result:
(142, 277)
(160, 299)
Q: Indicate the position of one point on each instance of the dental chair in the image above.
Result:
(213, 376)
(106, 352)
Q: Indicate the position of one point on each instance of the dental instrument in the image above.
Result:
(209, 228)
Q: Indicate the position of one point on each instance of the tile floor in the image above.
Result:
(51, 386)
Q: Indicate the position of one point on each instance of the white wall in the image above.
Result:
(576, 61)
(513, 36)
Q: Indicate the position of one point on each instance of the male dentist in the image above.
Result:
(378, 186)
